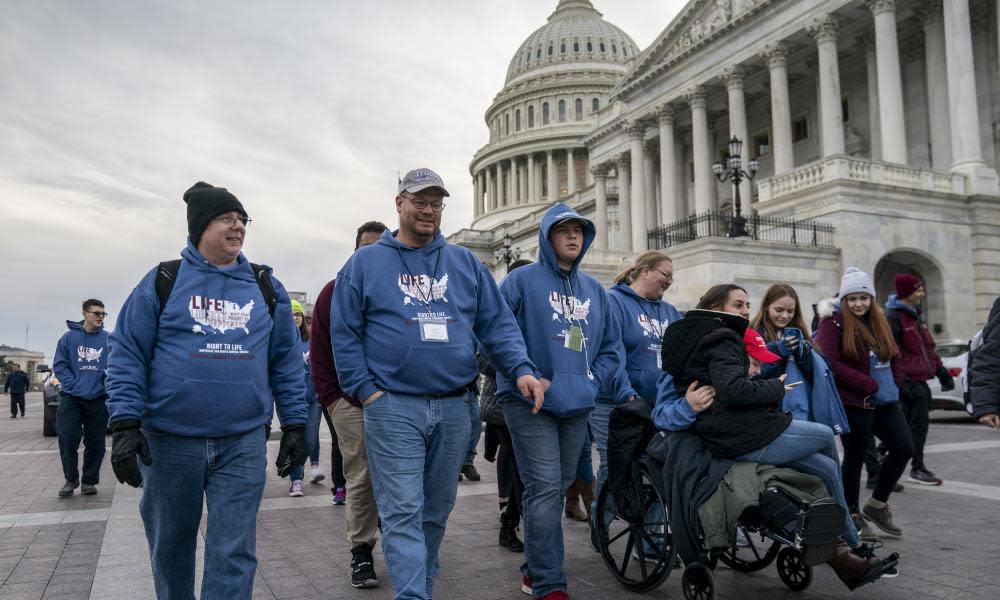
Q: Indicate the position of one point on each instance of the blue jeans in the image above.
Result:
(78, 419)
(810, 448)
(226, 473)
(585, 464)
(312, 436)
(477, 428)
(415, 449)
(599, 419)
(547, 451)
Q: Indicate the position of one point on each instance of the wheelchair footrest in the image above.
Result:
(822, 522)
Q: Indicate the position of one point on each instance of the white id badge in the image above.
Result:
(659, 356)
(434, 331)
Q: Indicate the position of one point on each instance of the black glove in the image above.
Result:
(127, 441)
(946, 380)
(292, 452)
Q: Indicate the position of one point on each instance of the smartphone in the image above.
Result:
(792, 332)
(793, 384)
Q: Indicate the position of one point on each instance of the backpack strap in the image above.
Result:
(166, 276)
(262, 273)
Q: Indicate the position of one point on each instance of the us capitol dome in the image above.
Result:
(557, 81)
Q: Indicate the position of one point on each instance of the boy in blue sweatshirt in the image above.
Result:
(192, 384)
(572, 338)
(407, 315)
(80, 364)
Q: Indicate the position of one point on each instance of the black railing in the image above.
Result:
(719, 224)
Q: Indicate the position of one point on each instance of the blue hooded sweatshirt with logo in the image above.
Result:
(81, 361)
(642, 322)
(548, 304)
(215, 362)
(408, 320)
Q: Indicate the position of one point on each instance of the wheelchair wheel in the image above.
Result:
(697, 582)
(753, 557)
(639, 555)
(793, 570)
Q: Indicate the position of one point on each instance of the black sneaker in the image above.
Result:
(67, 488)
(88, 489)
(470, 473)
(924, 477)
(362, 567)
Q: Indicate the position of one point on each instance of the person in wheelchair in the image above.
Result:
(713, 346)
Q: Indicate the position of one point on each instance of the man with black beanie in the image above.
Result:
(205, 347)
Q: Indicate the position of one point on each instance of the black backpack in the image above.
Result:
(166, 276)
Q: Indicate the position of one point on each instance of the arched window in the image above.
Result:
(562, 47)
(576, 45)
(578, 109)
(614, 49)
(507, 124)
(562, 111)
(603, 49)
(531, 116)
(545, 113)
(590, 46)
(517, 120)
(595, 105)
(538, 54)
(550, 49)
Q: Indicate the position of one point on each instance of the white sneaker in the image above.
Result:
(295, 490)
(316, 475)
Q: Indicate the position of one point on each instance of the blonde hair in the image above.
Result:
(646, 260)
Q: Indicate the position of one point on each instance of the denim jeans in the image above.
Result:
(477, 428)
(227, 474)
(78, 419)
(599, 419)
(415, 450)
(810, 448)
(585, 464)
(547, 451)
(312, 437)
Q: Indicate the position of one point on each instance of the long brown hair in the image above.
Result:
(646, 260)
(875, 334)
(717, 295)
(762, 322)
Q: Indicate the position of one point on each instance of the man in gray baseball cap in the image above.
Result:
(419, 180)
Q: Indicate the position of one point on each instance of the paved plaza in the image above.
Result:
(94, 548)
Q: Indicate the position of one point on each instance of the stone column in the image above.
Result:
(651, 147)
(532, 192)
(515, 183)
(733, 78)
(867, 43)
(704, 179)
(890, 81)
(624, 167)
(831, 118)
(775, 55)
(570, 173)
(637, 189)
(600, 174)
(491, 198)
(668, 171)
(939, 118)
(476, 197)
(551, 176)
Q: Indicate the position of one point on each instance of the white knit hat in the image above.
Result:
(856, 281)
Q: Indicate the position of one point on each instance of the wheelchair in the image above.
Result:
(640, 554)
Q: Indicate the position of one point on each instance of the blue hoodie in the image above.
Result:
(215, 362)
(408, 320)
(310, 386)
(546, 302)
(81, 361)
(642, 322)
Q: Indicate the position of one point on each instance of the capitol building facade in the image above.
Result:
(875, 125)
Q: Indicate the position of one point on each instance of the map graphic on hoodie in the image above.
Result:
(212, 315)
(423, 288)
(570, 307)
(86, 354)
(652, 327)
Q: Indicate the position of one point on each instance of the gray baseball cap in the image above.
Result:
(421, 179)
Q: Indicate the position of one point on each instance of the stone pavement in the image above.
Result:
(94, 547)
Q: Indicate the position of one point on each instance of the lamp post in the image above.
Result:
(738, 227)
(506, 254)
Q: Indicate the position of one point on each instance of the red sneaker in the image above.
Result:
(556, 595)
(528, 585)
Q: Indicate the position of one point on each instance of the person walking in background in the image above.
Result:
(17, 385)
(312, 404)
(918, 362)
(345, 414)
(984, 372)
(80, 363)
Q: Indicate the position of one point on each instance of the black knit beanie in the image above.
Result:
(204, 203)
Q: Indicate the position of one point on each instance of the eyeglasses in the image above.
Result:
(669, 276)
(97, 313)
(231, 220)
(421, 204)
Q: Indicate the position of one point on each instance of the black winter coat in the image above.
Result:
(707, 346)
(984, 368)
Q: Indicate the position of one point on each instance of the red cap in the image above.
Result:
(756, 347)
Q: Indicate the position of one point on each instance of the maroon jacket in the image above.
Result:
(920, 360)
(853, 379)
(324, 371)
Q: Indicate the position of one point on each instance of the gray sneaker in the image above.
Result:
(882, 518)
(88, 489)
(67, 488)
(924, 477)
(864, 531)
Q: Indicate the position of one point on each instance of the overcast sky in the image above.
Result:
(305, 110)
